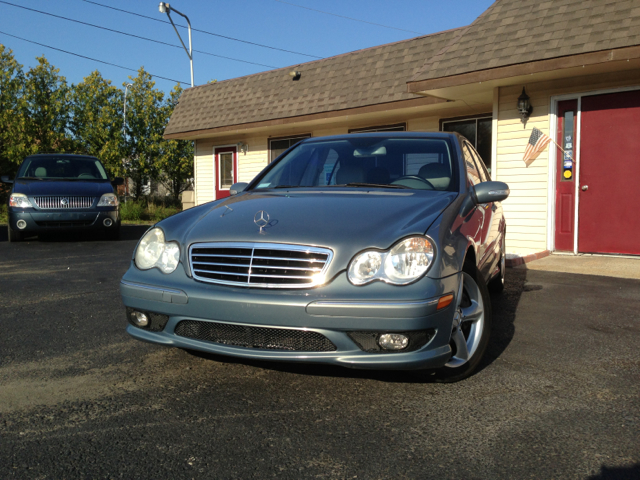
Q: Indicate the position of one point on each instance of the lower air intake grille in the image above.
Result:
(255, 337)
(261, 265)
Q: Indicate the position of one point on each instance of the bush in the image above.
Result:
(4, 214)
(148, 209)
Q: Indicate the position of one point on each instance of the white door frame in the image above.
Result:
(551, 189)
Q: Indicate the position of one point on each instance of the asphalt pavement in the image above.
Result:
(558, 395)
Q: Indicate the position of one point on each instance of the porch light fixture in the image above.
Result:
(295, 74)
(243, 147)
(524, 106)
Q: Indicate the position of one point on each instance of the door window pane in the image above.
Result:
(225, 161)
(466, 128)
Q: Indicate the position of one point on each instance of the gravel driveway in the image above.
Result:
(557, 397)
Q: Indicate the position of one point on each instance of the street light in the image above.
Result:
(124, 136)
(166, 8)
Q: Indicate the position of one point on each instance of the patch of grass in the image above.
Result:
(4, 214)
(147, 210)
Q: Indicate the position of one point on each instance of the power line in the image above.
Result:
(203, 31)
(131, 35)
(348, 18)
(89, 58)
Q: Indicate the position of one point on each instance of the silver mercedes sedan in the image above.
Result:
(371, 251)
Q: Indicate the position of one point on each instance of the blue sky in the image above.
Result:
(275, 23)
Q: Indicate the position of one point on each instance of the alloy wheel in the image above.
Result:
(468, 322)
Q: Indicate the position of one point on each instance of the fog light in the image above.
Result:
(140, 319)
(393, 341)
(21, 224)
(107, 222)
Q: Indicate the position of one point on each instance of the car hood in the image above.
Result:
(52, 187)
(347, 221)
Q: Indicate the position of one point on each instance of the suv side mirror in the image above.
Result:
(237, 188)
(117, 181)
(6, 179)
(487, 192)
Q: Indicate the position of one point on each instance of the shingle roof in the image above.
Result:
(518, 31)
(361, 78)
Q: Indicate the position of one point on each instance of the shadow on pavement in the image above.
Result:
(618, 473)
(127, 232)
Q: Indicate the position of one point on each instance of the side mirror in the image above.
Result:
(236, 188)
(117, 181)
(6, 179)
(487, 192)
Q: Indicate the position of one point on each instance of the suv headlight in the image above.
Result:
(19, 200)
(108, 200)
(403, 263)
(153, 251)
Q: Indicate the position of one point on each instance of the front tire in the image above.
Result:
(13, 235)
(471, 328)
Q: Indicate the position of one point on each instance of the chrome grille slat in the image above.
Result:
(259, 265)
(55, 202)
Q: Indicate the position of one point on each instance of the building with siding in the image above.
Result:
(577, 60)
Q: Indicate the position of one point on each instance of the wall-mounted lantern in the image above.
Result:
(524, 106)
(243, 147)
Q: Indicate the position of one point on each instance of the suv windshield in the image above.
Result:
(62, 168)
(416, 163)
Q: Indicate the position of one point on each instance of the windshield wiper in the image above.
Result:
(373, 185)
(29, 178)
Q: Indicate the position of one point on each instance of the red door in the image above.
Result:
(226, 170)
(565, 175)
(609, 215)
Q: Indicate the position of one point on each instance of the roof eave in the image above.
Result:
(423, 87)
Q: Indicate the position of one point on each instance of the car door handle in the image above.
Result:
(585, 188)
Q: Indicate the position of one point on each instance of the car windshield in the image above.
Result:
(416, 163)
(62, 168)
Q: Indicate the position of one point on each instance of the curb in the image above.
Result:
(514, 262)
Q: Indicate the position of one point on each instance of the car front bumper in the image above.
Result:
(38, 221)
(333, 310)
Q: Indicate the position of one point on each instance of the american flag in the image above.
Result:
(538, 141)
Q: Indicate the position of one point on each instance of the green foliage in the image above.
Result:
(12, 113)
(96, 123)
(176, 161)
(148, 209)
(48, 107)
(145, 126)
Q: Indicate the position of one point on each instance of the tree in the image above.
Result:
(145, 125)
(13, 142)
(96, 121)
(176, 161)
(48, 107)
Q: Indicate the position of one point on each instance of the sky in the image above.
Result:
(297, 31)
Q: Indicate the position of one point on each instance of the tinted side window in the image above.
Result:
(482, 170)
(472, 170)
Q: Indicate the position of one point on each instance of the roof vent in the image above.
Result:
(295, 75)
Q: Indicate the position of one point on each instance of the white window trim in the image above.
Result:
(551, 189)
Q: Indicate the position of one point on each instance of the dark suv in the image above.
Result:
(54, 192)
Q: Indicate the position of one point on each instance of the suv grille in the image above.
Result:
(63, 202)
(263, 265)
(255, 337)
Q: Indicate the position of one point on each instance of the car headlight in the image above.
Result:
(19, 200)
(405, 262)
(108, 200)
(153, 251)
